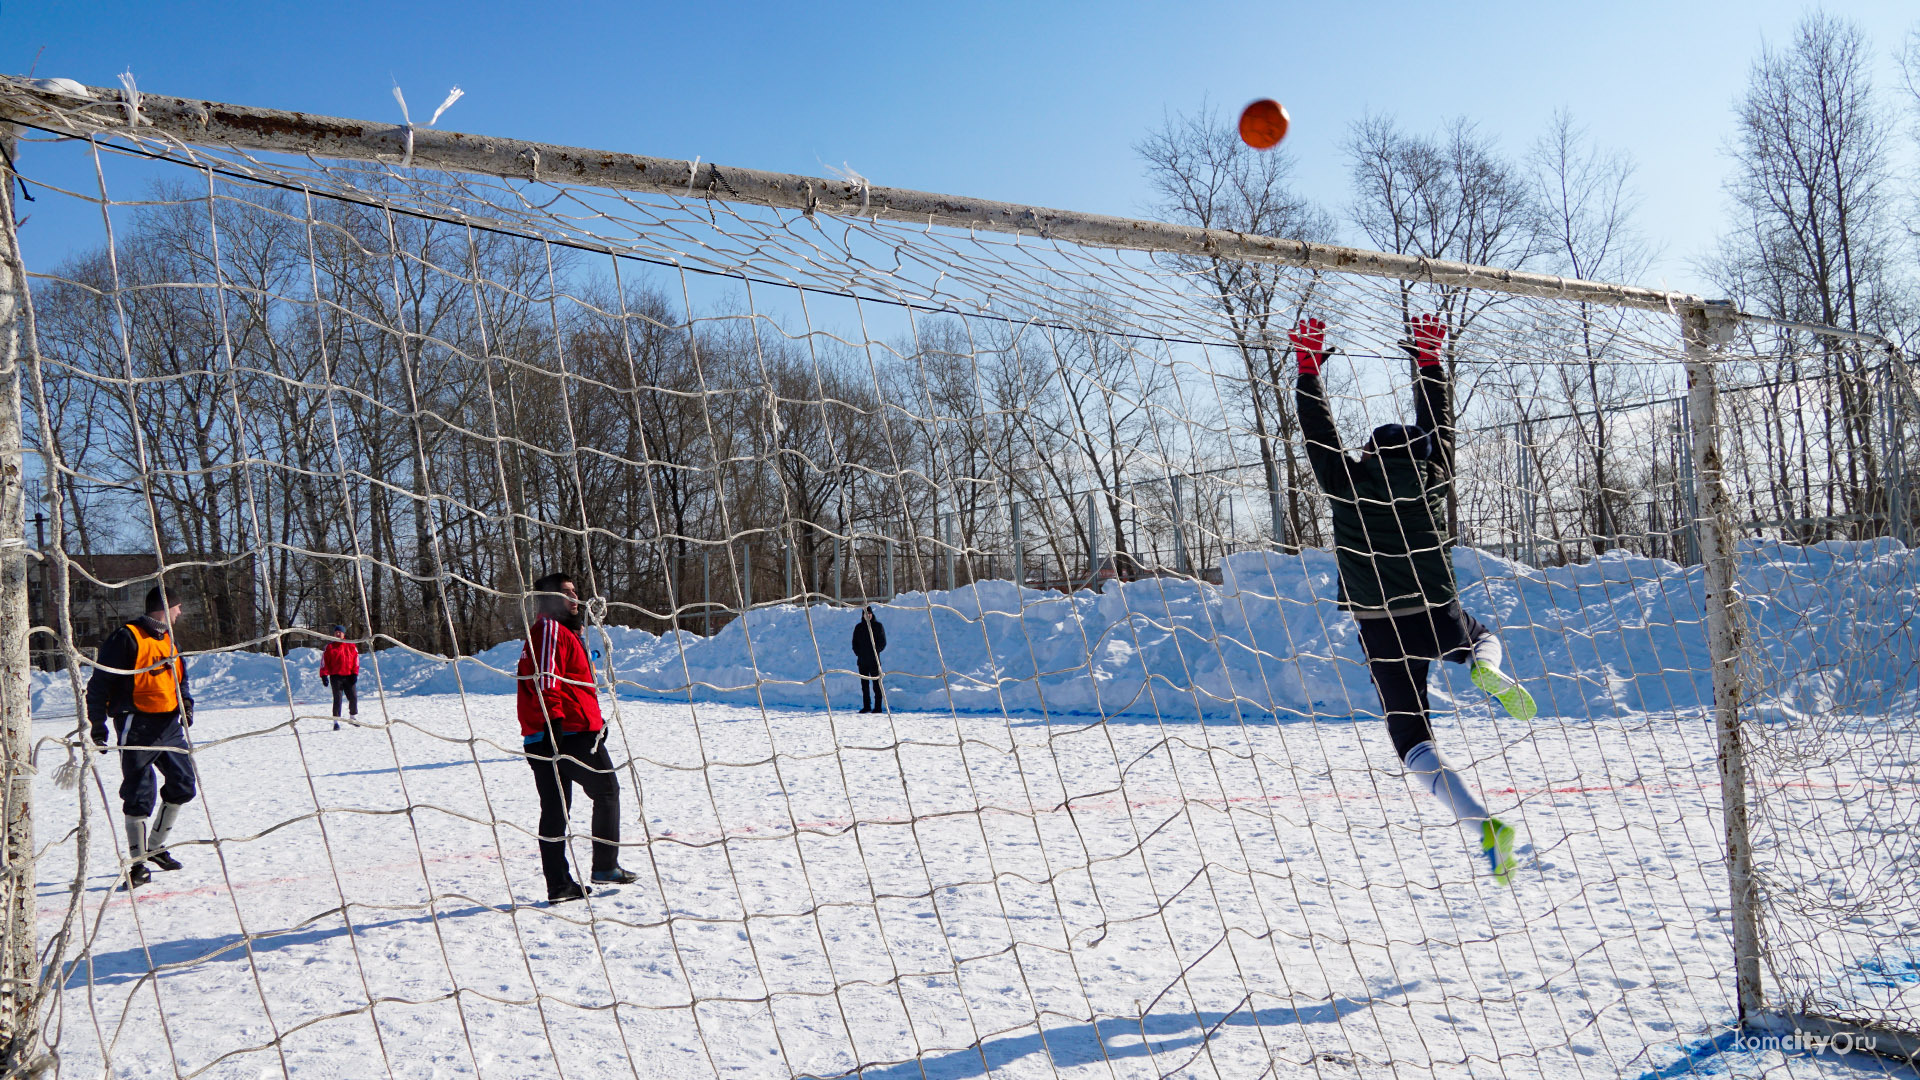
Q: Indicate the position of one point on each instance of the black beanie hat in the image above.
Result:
(1418, 444)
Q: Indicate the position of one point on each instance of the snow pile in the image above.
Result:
(1618, 636)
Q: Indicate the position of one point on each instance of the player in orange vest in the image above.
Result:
(140, 684)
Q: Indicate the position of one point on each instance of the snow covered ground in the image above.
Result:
(1224, 876)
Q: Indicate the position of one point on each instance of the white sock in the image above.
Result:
(1487, 650)
(136, 837)
(1426, 764)
(162, 826)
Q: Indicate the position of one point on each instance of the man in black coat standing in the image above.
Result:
(869, 641)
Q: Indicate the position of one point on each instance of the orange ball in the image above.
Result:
(1263, 124)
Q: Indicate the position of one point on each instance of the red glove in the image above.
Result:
(1309, 341)
(1428, 334)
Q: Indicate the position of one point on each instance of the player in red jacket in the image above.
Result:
(340, 670)
(560, 723)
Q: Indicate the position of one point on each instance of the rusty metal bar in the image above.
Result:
(70, 109)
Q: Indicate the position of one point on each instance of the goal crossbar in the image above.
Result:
(62, 110)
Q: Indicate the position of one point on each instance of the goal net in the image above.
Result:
(1128, 807)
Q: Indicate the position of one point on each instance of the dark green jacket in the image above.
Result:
(1389, 508)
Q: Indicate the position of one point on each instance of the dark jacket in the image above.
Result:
(869, 646)
(1390, 507)
(110, 693)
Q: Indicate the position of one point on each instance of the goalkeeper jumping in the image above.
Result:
(1396, 577)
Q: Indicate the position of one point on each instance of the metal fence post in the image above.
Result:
(933, 539)
(839, 570)
(746, 575)
(1529, 539)
(1282, 528)
(1019, 545)
(1895, 457)
(889, 550)
(1180, 560)
(19, 966)
(1093, 538)
(948, 556)
(1689, 493)
(1726, 637)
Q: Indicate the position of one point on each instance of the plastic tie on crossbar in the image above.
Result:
(852, 177)
(406, 159)
(130, 97)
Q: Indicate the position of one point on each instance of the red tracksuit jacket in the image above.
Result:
(340, 658)
(555, 670)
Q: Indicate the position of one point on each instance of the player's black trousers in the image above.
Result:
(870, 691)
(345, 687)
(1399, 651)
(583, 760)
(154, 743)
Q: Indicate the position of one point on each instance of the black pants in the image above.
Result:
(168, 757)
(584, 761)
(1399, 651)
(345, 686)
(870, 682)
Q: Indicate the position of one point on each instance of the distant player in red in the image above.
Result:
(560, 723)
(340, 670)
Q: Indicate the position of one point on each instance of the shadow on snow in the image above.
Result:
(1112, 1039)
(175, 957)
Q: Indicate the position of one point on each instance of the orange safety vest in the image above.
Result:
(157, 672)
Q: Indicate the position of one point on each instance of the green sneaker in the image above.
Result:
(1511, 695)
(1496, 843)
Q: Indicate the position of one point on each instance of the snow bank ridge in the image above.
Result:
(1621, 635)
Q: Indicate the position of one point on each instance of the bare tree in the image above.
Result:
(1814, 238)
(1100, 410)
(1585, 204)
(1910, 80)
(1909, 326)
(1452, 196)
(1204, 175)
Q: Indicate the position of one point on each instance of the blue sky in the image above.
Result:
(1036, 103)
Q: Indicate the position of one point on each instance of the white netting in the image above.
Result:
(1149, 828)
